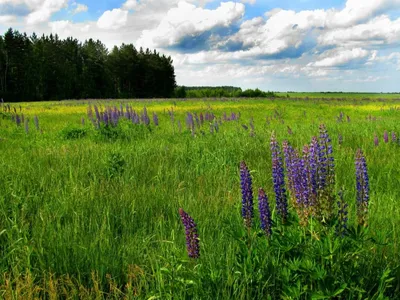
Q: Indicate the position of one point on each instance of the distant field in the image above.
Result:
(93, 212)
(365, 96)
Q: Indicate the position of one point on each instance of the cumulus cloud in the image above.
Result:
(7, 19)
(43, 10)
(340, 57)
(130, 4)
(113, 19)
(188, 21)
(80, 8)
(378, 31)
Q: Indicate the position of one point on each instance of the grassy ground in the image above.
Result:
(85, 216)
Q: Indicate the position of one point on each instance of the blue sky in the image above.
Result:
(305, 45)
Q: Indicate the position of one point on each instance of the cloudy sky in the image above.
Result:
(280, 45)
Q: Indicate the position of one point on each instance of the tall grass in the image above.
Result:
(85, 213)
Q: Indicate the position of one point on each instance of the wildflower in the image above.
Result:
(386, 137)
(192, 237)
(36, 121)
(26, 126)
(18, 120)
(376, 141)
(265, 212)
(247, 195)
(279, 180)
(155, 119)
(362, 185)
(394, 137)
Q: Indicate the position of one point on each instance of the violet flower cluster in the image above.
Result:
(265, 212)
(362, 185)
(112, 115)
(192, 237)
(279, 179)
(247, 195)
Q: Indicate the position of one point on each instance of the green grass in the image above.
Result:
(86, 216)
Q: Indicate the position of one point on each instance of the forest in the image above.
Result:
(36, 68)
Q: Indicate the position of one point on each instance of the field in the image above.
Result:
(89, 212)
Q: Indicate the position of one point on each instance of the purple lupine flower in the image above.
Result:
(288, 152)
(252, 133)
(394, 137)
(247, 195)
(325, 159)
(279, 179)
(114, 117)
(386, 137)
(155, 119)
(145, 117)
(106, 118)
(313, 151)
(307, 182)
(265, 212)
(36, 121)
(201, 118)
(216, 126)
(362, 185)
(192, 237)
(342, 215)
(196, 117)
(376, 141)
(26, 126)
(326, 174)
(18, 120)
(190, 121)
(96, 110)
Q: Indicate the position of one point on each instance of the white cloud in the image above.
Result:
(248, 1)
(378, 31)
(7, 19)
(113, 19)
(130, 4)
(80, 8)
(42, 10)
(188, 20)
(339, 57)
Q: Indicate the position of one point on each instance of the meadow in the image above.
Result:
(90, 209)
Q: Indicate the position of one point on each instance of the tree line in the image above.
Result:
(220, 92)
(36, 68)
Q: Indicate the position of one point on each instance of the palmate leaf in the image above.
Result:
(329, 295)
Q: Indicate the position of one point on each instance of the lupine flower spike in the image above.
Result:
(376, 141)
(279, 180)
(265, 212)
(386, 137)
(362, 184)
(192, 237)
(247, 195)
